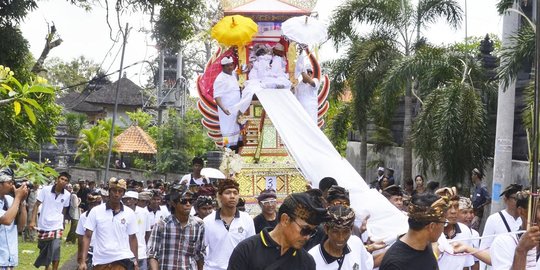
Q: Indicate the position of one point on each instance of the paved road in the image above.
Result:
(70, 264)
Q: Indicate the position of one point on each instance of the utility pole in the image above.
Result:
(502, 162)
(111, 134)
(160, 87)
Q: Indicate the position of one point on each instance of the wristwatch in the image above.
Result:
(134, 261)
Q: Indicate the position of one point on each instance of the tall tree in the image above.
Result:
(403, 21)
(74, 74)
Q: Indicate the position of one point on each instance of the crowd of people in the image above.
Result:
(194, 223)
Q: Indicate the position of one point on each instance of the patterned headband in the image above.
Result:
(432, 213)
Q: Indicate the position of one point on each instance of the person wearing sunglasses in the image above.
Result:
(282, 248)
(341, 249)
(177, 242)
(12, 218)
(267, 217)
(426, 223)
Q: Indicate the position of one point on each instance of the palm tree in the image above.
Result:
(404, 22)
(361, 70)
(93, 146)
(450, 132)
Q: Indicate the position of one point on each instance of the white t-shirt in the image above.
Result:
(221, 242)
(495, 225)
(307, 95)
(357, 257)
(52, 217)
(81, 230)
(160, 214)
(111, 233)
(199, 181)
(449, 261)
(502, 253)
(144, 224)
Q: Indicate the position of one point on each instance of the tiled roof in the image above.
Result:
(135, 140)
(129, 94)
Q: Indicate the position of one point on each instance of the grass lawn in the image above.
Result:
(28, 252)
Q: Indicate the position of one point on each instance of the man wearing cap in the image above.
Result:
(144, 199)
(93, 200)
(144, 223)
(307, 93)
(177, 243)
(267, 218)
(204, 206)
(340, 249)
(226, 227)
(11, 209)
(114, 229)
(281, 248)
(465, 216)
(480, 198)
(227, 94)
(426, 223)
(55, 200)
(504, 221)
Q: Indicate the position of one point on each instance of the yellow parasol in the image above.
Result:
(234, 30)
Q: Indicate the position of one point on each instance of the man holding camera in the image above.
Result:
(10, 209)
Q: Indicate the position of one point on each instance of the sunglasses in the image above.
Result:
(185, 201)
(268, 202)
(306, 231)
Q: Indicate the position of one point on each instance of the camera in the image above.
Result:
(19, 183)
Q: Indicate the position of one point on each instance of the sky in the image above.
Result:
(86, 33)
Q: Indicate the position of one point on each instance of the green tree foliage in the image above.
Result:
(339, 125)
(179, 140)
(28, 113)
(175, 22)
(68, 73)
(75, 122)
(451, 132)
(142, 119)
(37, 173)
(93, 145)
(402, 22)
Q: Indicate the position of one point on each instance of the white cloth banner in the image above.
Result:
(317, 158)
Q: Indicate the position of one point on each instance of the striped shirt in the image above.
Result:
(176, 247)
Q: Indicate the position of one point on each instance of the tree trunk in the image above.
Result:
(363, 154)
(407, 145)
(49, 45)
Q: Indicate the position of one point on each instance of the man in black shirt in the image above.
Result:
(426, 223)
(281, 248)
(267, 218)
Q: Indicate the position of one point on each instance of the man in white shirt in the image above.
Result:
(93, 200)
(227, 94)
(517, 251)
(114, 229)
(307, 94)
(466, 216)
(157, 211)
(504, 221)
(225, 228)
(341, 249)
(453, 231)
(144, 221)
(50, 225)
